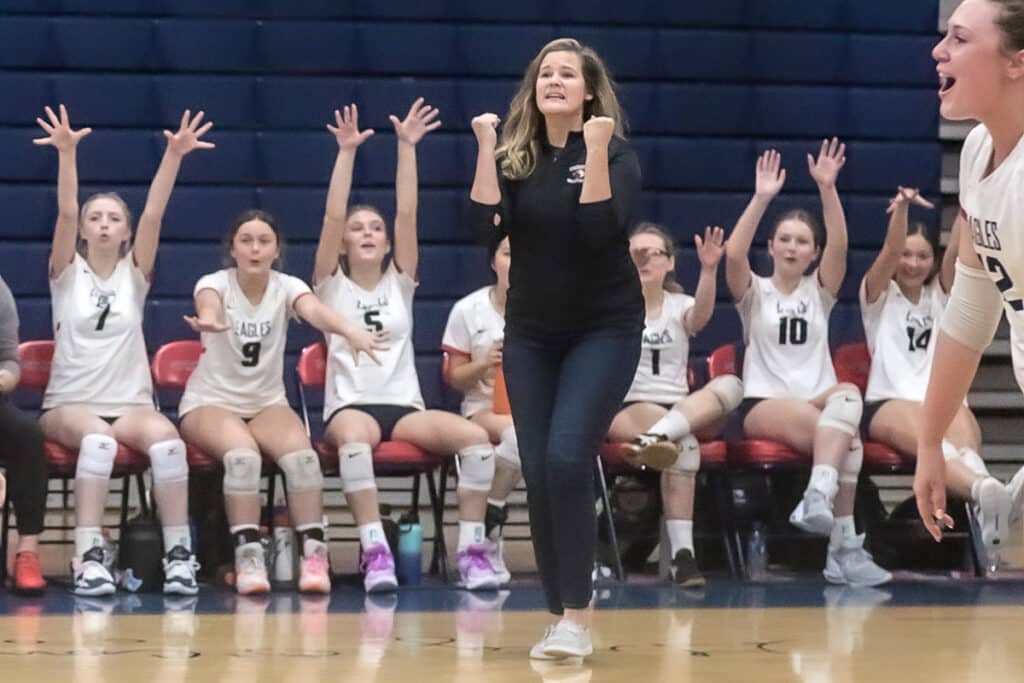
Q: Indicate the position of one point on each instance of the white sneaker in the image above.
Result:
(475, 570)
(91, 576)
(651, 450)
(851, 565)
(568, 639)
(813, 514)
(180, 568)
(1016, 490)
(251, 569)
(537, 651)
(496, 555)
(992, 504)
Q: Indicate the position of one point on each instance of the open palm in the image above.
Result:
(187, 137)
(58, 130)
(346, 129)
(831, 159)
(418, 122)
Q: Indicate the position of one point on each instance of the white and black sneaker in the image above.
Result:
(180, 572)
(91, 576)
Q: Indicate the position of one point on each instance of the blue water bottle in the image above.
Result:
(409, 565)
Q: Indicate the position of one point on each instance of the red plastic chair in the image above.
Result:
(390, 458)
(171, 367)
(751, 453)
(35, 358)
(852, 364)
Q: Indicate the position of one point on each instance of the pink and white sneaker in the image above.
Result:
(314, 573)
(251, 570)
(475, 569)
(378, 567)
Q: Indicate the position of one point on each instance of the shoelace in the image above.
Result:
(476, 558)
(251, 562)
(376, 559)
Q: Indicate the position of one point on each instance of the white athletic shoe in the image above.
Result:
(992, 506)
(813, 514)
(180, 568)
(568, 639)
(851, 565)
(1016, 490)
(496, 555)
(251, 569)
(91, 576)
(537, 651)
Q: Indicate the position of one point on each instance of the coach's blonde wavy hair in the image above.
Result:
(524, 124)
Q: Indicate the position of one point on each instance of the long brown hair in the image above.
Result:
(520, 136)
(669, 284)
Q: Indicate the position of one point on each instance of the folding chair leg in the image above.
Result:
(620, 574)
(140, 484)
(5, 530)
(723, 498)
(268, 510)
(126, 490)
(439, 556)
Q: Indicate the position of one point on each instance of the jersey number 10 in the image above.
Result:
(792, 331)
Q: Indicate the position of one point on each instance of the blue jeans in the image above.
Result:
(563, 398)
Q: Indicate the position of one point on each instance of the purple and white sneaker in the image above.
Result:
(475, 569)
(378, 568)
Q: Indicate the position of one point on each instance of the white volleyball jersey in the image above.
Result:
(387, 308)
(901, 339)
(665, 353)
(786, 335)
(99, 358)
(242, 369)
(474, 325)
(993, 206)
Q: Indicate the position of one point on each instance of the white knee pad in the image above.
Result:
(96, 456)
(241, 472)
(302, 470)
(477, 467)
(728, 389)
(168, 461)
(508, 448)
(849, 469)
(688, 462)
(842, 411)
(355, 465)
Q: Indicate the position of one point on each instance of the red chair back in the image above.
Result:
(312, 366)
(35, 358)
(174, 362)
(722, 361)
(853, 364)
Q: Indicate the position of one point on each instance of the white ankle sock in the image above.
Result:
(177, 535)
(87, 537)
(824, 479)
(470, 533)
(371, 534)
(680, 534)
(673, 424)
(842, 529)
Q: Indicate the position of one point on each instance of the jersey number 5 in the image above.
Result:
(251, 351)
(792, 331)
(370, 318)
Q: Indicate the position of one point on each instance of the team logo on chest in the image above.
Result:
(576, 174)
(656, 339)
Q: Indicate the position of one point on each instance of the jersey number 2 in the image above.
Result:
(1004, 283)
(251, 351)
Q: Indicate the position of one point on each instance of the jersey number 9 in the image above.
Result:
(251, 353)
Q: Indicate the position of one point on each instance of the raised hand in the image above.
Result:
(362, 340)
(58, 131)
(906, 196)
(485, 128)
(347, 132)
(417, 123)
(200, 326)
(769, 176)
(712, 247)
(831, 159)
(598, 131)
(187, 137)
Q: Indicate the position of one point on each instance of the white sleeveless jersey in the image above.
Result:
(665, 353)
(474, 325)
(994, 209)
(242, 369)
(786, 335)
(901, 338)
(387, 308)
(99, 358)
